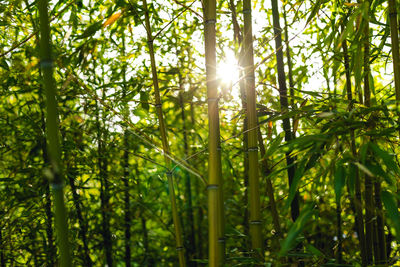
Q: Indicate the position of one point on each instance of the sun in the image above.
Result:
(228, 71)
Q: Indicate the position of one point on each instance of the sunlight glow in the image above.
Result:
(228, 71)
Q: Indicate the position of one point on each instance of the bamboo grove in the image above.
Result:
(199, 133)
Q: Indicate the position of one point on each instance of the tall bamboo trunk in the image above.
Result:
(78, 208)
(237, 38)
(270, 189)
(368, 185)
(395, 46)
(125, 167)
(164, 140)
(199, 210)
(289, 65)
(127, 208)
(254, 184)
(102, 163)
(51, 250)
(215, 199)
(380, 224)
(191, 247)
(356, 200)
(2, 256)
(52, 126)
(295, 208)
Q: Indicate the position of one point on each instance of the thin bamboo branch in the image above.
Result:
(164, 140)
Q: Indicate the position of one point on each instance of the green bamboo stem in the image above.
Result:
(395, 46)
(270, 189)
(289, 63)
(52, 126)
(125, 167)
(102, 163)
(2, 254)
(380, 224)
(188, 186)
(237, 37)
(254, 184)
(295, 209)
(356, 200)
(369, 205)
(164, 140)
(215, 197)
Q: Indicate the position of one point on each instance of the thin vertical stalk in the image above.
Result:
(369, 205)
(270, 189)
(2, 256)
(78, 208)
(164, 140)
(254, 184)
(102, 162)
(395, 46)
(127, 215)
(199, 210)
(295, 208)
(380, 224)
(289, 62)
(191, 248)
(52, 127)
(356, 201)
(237, 38)
(125, 167)
(214, 188)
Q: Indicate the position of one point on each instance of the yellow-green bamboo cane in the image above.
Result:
(52, 127)
(395, 46)
(254, 193)
(215, 197)
(164, 140)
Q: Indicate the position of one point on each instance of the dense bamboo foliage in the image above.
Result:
(199, 133)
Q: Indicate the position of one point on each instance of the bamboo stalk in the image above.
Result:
(270, 189)
(289, 64)
(254, 184)
(395, 46)
(52, 127)
(237, 38)
(356, 201)
(368, 185)
(125, 166)
(78, 208)
(164, 140)
(2, 249)
(188, 186)
(295, 209)
(102, 164)
(214, 188)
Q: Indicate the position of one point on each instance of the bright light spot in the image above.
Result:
(228, 71)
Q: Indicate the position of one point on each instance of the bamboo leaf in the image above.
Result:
(385, 156)
(364, 169)
(392, 211)
(314, 11)
(113, 18)
(296, 229)
(91, 30)
(339, 180)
